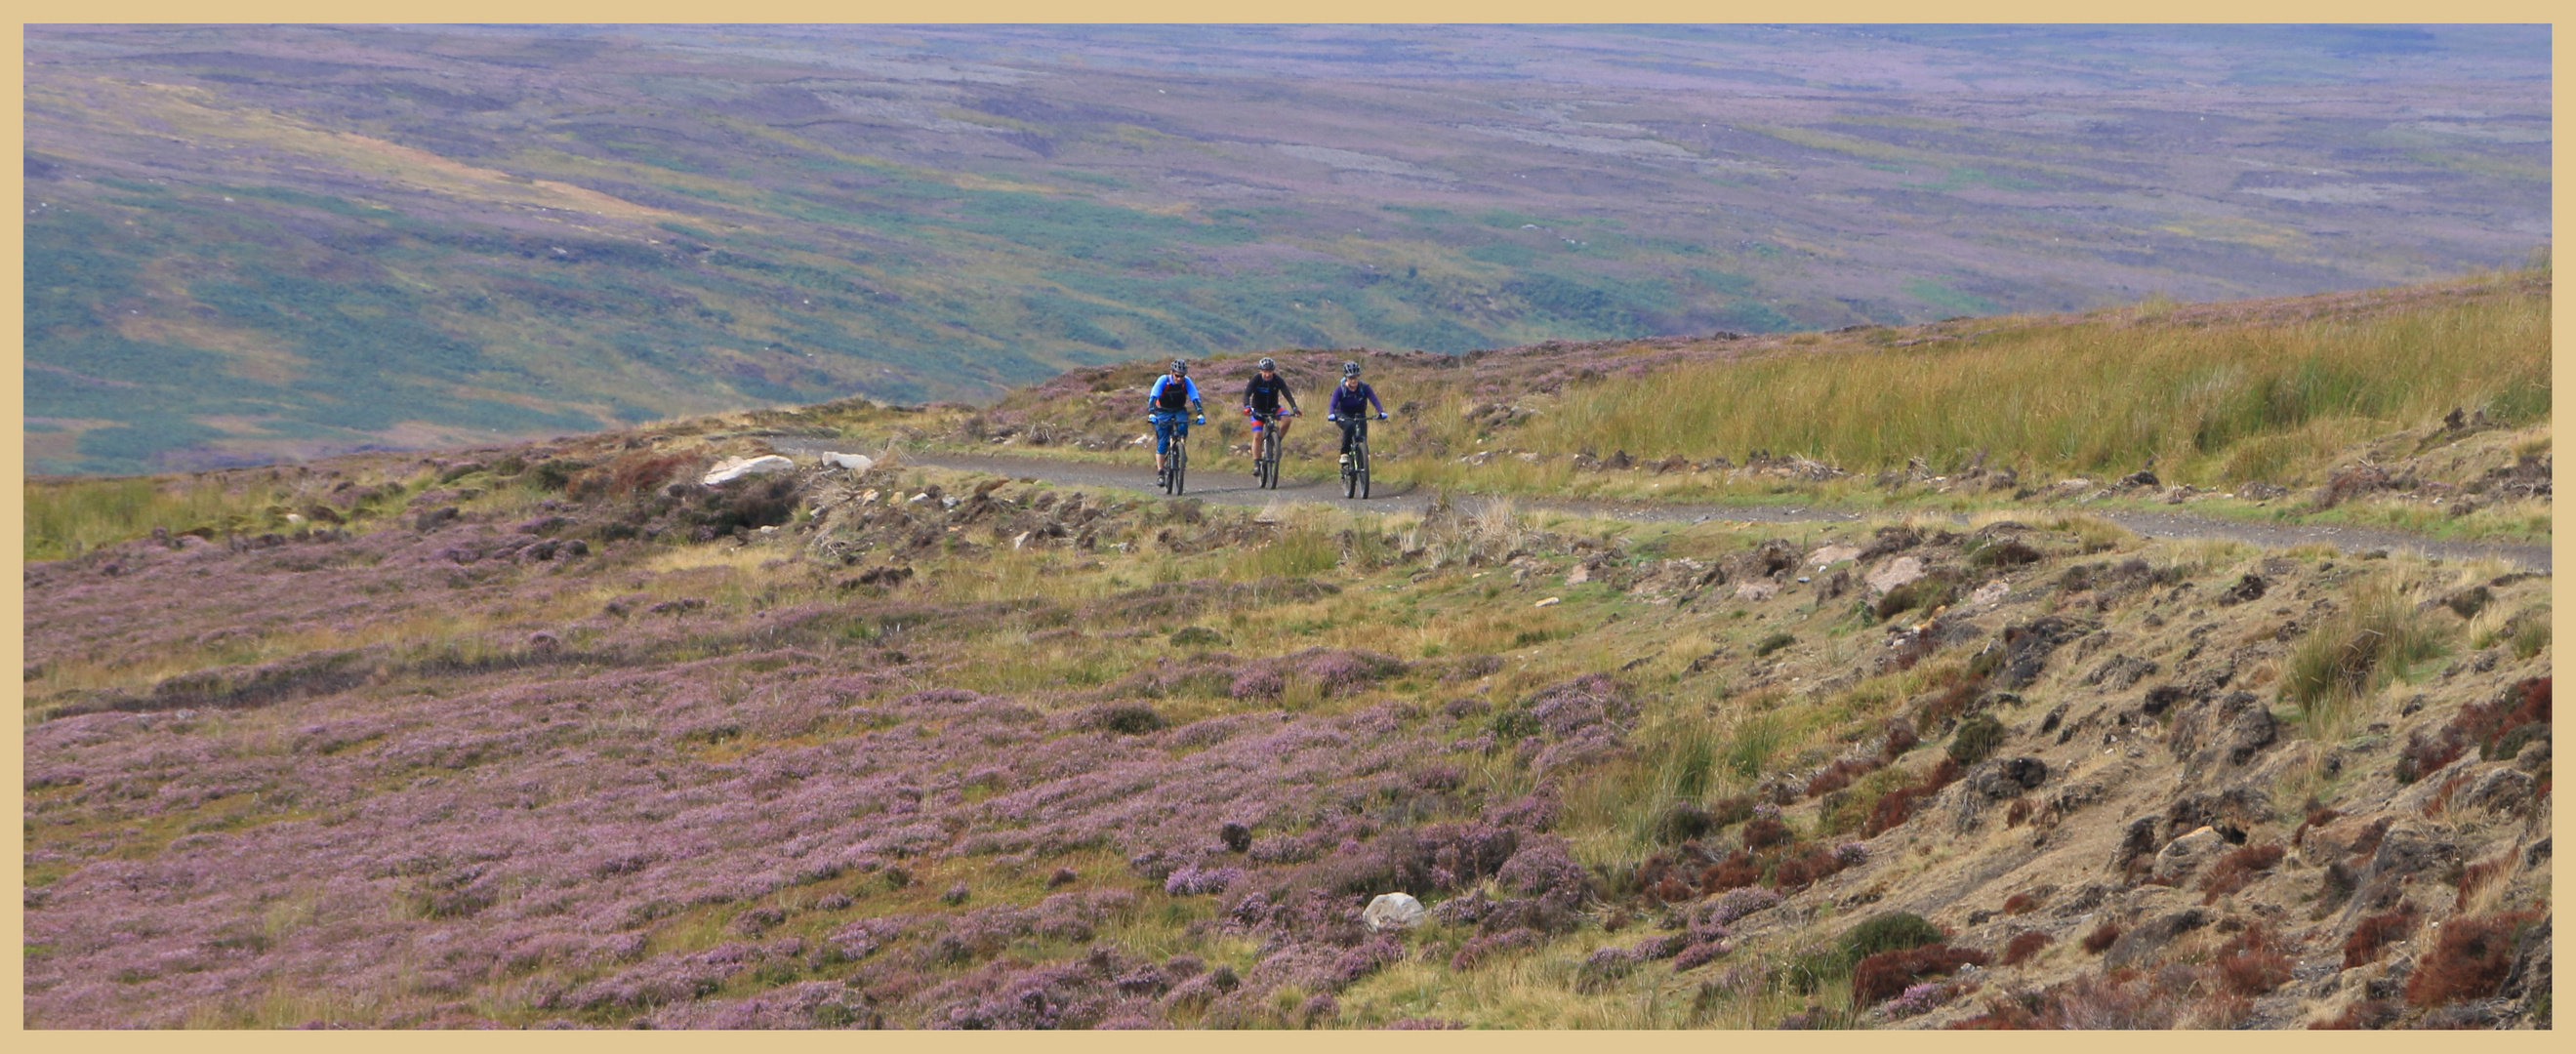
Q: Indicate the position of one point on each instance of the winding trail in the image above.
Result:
(1231, 488)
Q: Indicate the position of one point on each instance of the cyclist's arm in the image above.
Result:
(1371, 392)
(1154, 394)
(1194, 396)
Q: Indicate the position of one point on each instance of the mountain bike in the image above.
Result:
(1265, 464)
(1355, 472)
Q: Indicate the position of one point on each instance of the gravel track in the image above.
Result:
(1228, 488)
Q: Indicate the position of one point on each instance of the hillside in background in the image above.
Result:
(246, 244)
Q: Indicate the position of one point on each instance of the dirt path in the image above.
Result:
(1232, 488)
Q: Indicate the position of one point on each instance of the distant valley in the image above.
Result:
(248, 244)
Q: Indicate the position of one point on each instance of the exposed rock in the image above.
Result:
(2528, 985)
(1894, 573)
(1392, 911)
(2249, 587)
(853, 462)
(2503, 790)
(2183, 856)
(2137, 944)
(1830, 555)
(2027, 647)
(1990, 594)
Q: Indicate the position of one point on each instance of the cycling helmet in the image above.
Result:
(1350, 369)
(1180, 366)
(1267, 365)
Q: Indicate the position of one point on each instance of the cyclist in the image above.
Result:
(1261, 403)
(1350, 406)
(1164, 403)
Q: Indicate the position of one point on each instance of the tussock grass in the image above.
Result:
(1679, 760)
(2216, 403)
(66, 518)
(2380, 638)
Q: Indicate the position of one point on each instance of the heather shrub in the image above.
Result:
(1602, 967)
(1544, 866)
(1796, 872)
(2101, 938)
(1885, 975)
(1896, 931)
(1681, 822)
(2374, 932)
(1976, 740)
(2248, 964)
(1764, 832)
(2239, 868)
(1917, 999)
(2469, 959)
(2024, 945)
(1702, 954)
(1478, 950)
(1193, 880)
(1126, 719)
(1893, 808)
(1839, 775)
(1259, 683)
(1368, 958)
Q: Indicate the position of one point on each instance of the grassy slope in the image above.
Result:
(2214, 396)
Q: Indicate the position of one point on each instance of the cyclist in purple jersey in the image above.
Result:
(1350, 406)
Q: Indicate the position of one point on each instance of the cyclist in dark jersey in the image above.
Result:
(1261, 403)
(1165, 405)
(1350, 405)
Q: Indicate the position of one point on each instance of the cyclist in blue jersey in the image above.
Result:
(1350, 406)
(1165, 402)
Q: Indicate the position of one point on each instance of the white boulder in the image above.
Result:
(1392, 911)
(853, 462)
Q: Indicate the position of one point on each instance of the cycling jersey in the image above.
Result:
(1171, 397)
(1354, 402)
(1263, 394)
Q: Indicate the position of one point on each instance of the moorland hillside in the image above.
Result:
(561, 734)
